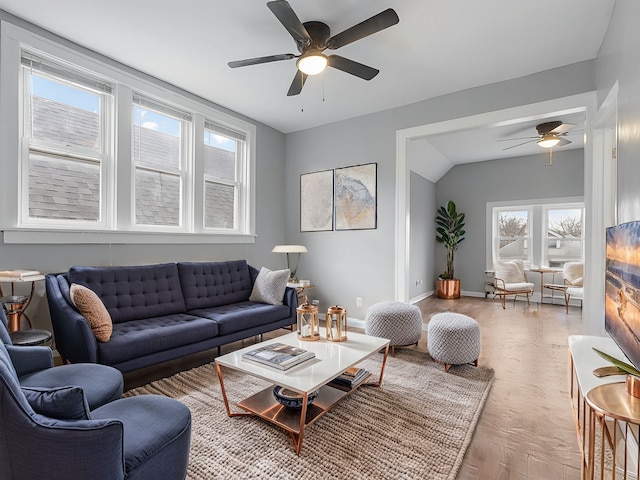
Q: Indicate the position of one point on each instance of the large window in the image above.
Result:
(106, 155)
(539, 234)
(65, 138)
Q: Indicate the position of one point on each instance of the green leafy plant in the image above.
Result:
(450, 232)
(618, 363)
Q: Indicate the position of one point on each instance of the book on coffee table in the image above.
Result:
(278, 355)
(350, 378)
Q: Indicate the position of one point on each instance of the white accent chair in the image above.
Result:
(572, 273)
(511, 279)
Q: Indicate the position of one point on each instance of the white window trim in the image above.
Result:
(536, 249)
(13, 39)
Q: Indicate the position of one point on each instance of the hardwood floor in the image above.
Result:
(526, 430)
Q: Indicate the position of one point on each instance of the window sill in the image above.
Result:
(28, 236)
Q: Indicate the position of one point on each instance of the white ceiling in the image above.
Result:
(438, 47)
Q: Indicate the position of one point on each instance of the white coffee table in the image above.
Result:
(332, 358)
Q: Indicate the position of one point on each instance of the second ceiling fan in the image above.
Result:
(312, 38)
(550, 134)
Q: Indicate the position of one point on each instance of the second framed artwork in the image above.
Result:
(340, 199)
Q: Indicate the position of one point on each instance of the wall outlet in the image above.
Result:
(358, 301)
(418, 282)
(315, 302)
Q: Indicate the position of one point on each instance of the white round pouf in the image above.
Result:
(398, 321)
(453, 339)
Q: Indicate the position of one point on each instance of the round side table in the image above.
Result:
(33, 336)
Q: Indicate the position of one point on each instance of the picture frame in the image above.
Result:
(316, 201)
(356, 202)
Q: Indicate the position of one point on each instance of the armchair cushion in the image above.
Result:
(62, 403)
(509, 271)
(519, 286)
(92, 308)
(269, 286)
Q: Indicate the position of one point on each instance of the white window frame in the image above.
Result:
(537, 227)
(528, 238)
(545, 215)
(119, 227)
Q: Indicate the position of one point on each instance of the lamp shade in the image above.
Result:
(312, 62)
(289, 249)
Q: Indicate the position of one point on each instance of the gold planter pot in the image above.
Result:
(446, 288)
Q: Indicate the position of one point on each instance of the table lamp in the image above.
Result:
(293, 257)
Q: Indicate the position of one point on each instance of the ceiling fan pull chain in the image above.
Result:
(323, 77)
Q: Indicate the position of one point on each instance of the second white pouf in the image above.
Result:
(453, 339)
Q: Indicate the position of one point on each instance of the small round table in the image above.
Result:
(33, 336)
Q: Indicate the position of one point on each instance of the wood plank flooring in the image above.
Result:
(526, 430)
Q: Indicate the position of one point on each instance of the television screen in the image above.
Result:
(622, 288)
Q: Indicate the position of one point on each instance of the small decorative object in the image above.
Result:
(308, 324)
(632, 382)
(450, 232)
(336, 324)
(291, 399)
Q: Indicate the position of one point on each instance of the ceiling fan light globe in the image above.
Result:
(312, 63)
(548, 141)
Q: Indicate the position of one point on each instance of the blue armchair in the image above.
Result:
(143, 437)
(33, 365)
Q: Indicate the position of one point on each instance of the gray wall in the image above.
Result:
(348, 264)
(619, 61)
(471, 186)
(422, 236)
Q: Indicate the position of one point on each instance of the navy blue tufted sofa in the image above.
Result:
(162, 312)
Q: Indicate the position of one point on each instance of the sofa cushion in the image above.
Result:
(134, 292)
(92, 308)
(269, 286)
(242, 316)
(211, 284)
(137, 338)
(62, 403)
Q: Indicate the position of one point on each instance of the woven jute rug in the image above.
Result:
(417, 425)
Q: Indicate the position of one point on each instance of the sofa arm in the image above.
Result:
(291, 300)
(73, 336)
(29, 359)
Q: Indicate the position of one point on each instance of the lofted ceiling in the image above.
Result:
(438, 47)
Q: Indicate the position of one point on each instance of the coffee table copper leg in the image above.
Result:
(224, 396)
(297, 438)
(384, 362)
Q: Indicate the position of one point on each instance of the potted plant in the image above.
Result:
(450, 232)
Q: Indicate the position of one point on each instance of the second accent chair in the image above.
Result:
(511, 279)
(572, 273)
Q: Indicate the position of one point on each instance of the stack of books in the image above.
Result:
(279, 355)
(350, 378)
(17, 274)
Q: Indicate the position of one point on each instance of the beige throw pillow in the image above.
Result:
(269, 286)
(509, 272)
(92, 308)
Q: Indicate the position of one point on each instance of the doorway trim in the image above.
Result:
(581, 102)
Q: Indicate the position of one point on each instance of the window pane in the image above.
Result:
(157, 198)
(513, 230)
(564, 235)
(63, 113)
(220, 155)
(62, 188)
(219, 205)
(156, 139)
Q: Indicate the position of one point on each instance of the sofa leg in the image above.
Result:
(218, 350)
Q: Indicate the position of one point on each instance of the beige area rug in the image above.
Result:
(416, 426)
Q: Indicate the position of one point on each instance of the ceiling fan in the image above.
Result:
(550, 134)
(313, 37)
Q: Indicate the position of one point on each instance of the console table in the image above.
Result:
(607, 417)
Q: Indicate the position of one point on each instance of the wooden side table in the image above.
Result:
(542, 270)
(300, 290)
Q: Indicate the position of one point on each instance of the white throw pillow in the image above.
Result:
(509, 272)
(269, 286)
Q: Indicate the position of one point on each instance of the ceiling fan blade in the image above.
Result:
(297, 84)
(565, 127)
(517, 138)
(518, 145)
(288, 18)
(563, 142)
(368, 27)
(258, 60)
(354, 68)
